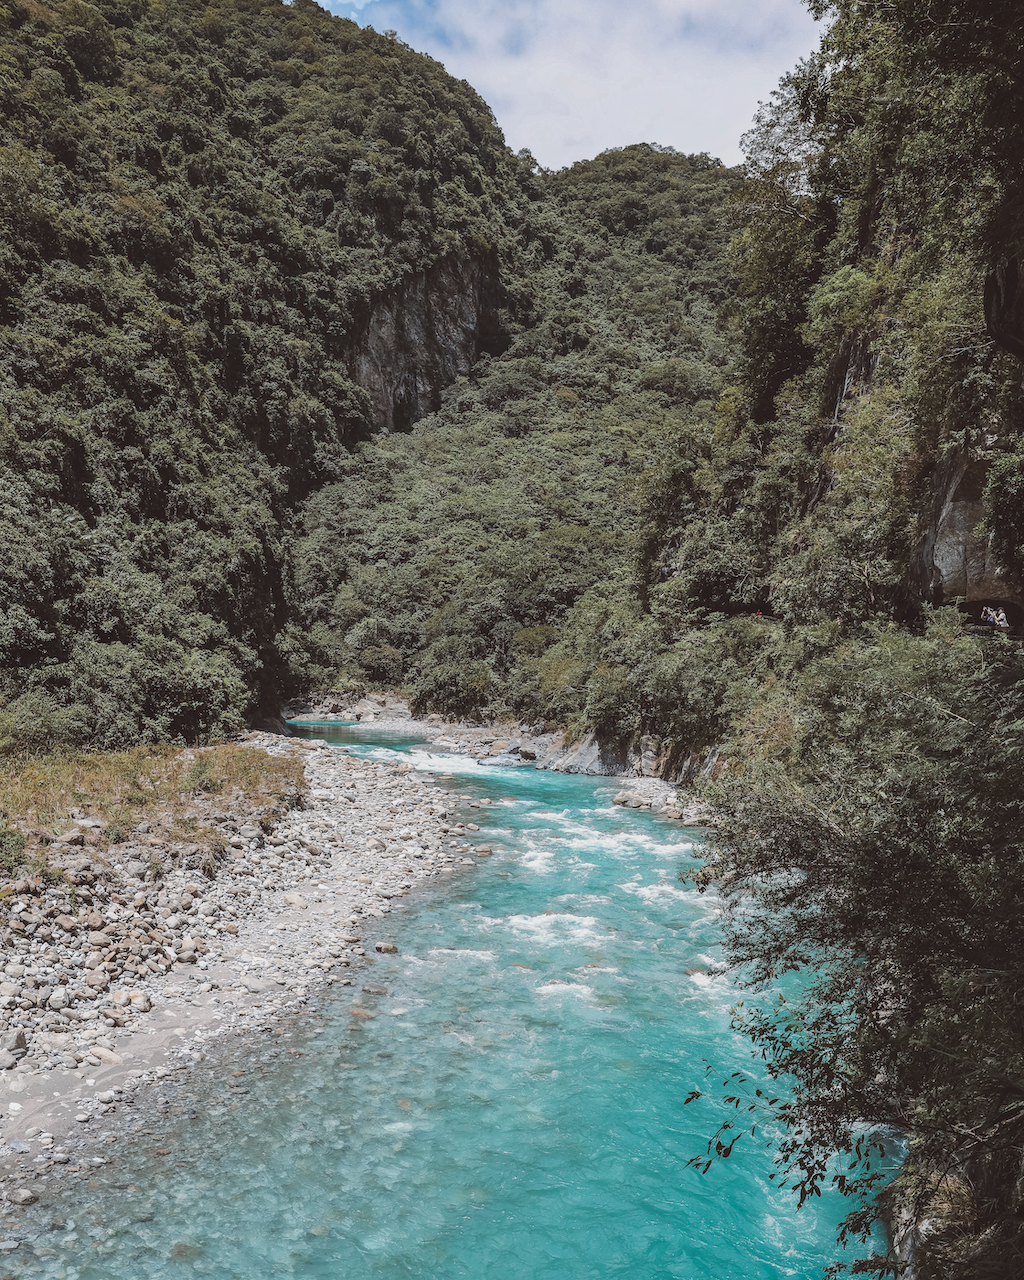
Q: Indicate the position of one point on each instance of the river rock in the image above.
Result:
(107, 1056)
(387, 948)
(7, 1060)
(630, 799)
(295, 900)
(52, 1039)
(22, 1196)
(59, 998)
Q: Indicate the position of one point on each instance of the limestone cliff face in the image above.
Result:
(644, 756)
(422, 335)
(953, 559)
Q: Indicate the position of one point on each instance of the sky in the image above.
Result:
(569, 78)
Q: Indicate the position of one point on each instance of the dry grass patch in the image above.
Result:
(174, 789)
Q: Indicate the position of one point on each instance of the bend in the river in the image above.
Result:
(513, 1109)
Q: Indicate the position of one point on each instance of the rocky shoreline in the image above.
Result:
(511, 745)
(294, 906)
(102, 1009)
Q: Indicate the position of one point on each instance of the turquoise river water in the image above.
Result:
(514, 1111)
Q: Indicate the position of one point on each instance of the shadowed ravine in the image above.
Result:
(514, 1109)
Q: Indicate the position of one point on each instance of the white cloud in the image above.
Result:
(569, 78)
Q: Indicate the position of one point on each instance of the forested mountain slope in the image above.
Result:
(209, 215)
(451, 560)
(867, 469)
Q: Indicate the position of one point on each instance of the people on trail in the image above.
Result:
(995, 617)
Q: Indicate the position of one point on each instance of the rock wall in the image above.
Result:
(953, 559)
(422, 335)
(641, 757)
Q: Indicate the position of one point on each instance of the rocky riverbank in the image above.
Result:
(112, 981)
(515, 746)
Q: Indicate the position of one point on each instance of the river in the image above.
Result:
(515, 1108)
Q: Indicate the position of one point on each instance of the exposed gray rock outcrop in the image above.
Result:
(953, 559)
(642, 757)
(424, 334)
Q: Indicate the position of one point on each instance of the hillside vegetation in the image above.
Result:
(455, 560)
(199, 205)
(871, 807)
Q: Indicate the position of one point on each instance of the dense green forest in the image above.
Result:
(484, 560)
(735, 460)
(200, 206)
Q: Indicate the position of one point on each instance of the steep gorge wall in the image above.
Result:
(643, 756)
(424, 334)
(954, 558)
